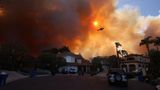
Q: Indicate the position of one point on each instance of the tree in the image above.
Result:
(154, 63)
(11, 55)
(52, 50)
(146, 41)
(113, 61)
(47, 59)
(28, 61)
(51, 62)
(57, 50)
(60, 61)
(96, 62)
(64, 49)
(156, 42)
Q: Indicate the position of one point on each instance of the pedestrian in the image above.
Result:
(33, 72)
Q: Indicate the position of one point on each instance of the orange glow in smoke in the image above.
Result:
(95, 23)
(1, 12)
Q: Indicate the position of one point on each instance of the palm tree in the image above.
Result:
(146, 41)
(157, 42)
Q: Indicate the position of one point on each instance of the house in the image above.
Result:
(134, 63)
(105, 65)
(75, 63)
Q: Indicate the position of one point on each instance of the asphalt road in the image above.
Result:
(70, 82)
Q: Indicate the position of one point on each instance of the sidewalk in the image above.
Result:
(12, 76)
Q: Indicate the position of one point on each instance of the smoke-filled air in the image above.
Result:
(41, 24)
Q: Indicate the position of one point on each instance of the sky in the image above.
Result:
(146, 7)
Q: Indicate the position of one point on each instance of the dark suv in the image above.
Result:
(117, 76)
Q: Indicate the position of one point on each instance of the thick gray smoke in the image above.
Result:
(43, 23)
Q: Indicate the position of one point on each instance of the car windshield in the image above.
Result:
(113, 71)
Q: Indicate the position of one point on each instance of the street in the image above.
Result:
(72, 82)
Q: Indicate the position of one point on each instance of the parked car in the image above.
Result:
(73, 70)
(117, 76)
(156, 83)
(158, 87)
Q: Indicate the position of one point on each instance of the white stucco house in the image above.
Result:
(75, 63)
(134, 63)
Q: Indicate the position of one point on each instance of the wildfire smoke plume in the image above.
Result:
(40, 24)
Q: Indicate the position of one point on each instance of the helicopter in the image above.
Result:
(100, 29)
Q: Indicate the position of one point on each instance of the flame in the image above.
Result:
(95, 23)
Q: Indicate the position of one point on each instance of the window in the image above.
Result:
(79, 61)
(70, 59)
(130, 58)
